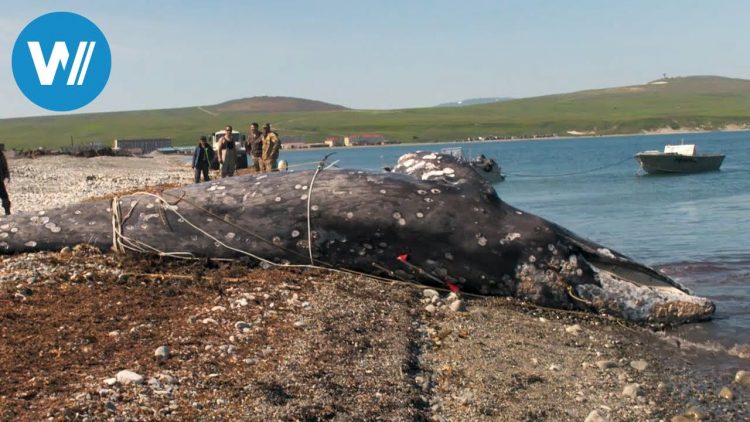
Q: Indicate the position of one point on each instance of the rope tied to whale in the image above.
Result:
(574, 173)
(121, 242)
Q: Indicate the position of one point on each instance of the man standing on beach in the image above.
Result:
(202, 157)
(227, 154)
(4, 174)
(271, 146)
(256, 145)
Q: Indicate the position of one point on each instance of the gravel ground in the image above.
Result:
(92, 336)
(52, 181)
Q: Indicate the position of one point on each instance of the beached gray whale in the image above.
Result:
(431, 220)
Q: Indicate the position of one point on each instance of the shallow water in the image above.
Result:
(696, 228)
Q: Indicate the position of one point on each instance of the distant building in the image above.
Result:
(292, 138)
(364, 139)
(143, 146)
(334, 141)
(294, 145)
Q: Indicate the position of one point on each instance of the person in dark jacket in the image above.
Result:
(4, 174)
(256, 145)
(202, 157)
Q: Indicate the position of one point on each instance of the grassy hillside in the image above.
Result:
(273, 105)
(703, 102)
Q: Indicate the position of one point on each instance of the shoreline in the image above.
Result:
(548, 138)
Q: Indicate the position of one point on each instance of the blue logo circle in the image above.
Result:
(61, 61)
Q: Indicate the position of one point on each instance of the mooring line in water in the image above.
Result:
(571, 173)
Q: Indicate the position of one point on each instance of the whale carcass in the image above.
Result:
(431, 220)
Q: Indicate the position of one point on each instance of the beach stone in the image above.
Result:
(209, 321)
(218, 309)
(110, 407)
(631, 390)
(110, 381)
(66, 251)
(167, 379)
(594, 416)
(430, 308)
(126, 377)
(573, 329)
(162, 353)
(726, 393)
(742, 378)
(606, 364)
(242, 326)
(451, 297)
(430, 293)
(639, 365)
(457, 306)
(697, 413)
(555, 367)
(466, 397)
(681, 418)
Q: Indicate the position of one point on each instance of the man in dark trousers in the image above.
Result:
(4, 174)
(227, 154)
(256, 145)
(202, 157)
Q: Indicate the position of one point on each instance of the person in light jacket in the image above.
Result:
(271, 147)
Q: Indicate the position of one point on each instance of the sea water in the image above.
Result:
(695, 228)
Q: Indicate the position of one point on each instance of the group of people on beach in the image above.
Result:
(263, 145)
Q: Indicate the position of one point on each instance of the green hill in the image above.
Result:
(273, 105)
(698, 102)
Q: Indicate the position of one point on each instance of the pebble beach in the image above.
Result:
(91, 335)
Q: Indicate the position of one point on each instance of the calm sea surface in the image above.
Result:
(696, 228)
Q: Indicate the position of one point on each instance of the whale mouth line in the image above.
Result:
(638, 278)
(640, 297)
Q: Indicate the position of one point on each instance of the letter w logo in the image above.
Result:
(46, 71)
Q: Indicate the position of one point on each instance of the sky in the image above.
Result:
(384, 54)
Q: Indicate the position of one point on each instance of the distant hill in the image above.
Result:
(686, 103)
(475, 101)
(273, 105)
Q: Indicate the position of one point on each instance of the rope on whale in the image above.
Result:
(121, 243)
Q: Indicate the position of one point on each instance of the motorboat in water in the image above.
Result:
(678, 159)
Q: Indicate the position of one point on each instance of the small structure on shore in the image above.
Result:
(334, 141)
(143, 145)
(364, 139)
